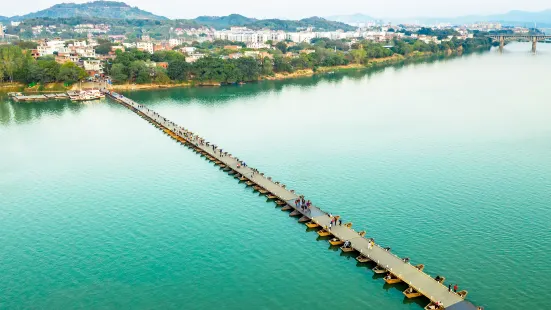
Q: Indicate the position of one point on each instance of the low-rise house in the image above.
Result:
(257, 45)
(79, 43)
(188, 49)
(86, 52)
(65, 57)
(193, 57)
(93, 66)
(145, 46)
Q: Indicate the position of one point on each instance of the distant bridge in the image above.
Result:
(534, 38)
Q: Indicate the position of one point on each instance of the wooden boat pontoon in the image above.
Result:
(242, 178)
(433, 306)
(232, 172)
(304, 219)
(336, 241)
(227, 169)
(392, 279)
(420, 267)
(363, 259)
(312, 225)
(295, 213)
(221, 165)
(378, 269)
(362, 233)
(256, 188)
(347, 249)
(323, 233)
(410, 292)
(249, 183)
(286, 208)
(462, 294)
(440, 279)
(263, 191)
(271, 196)
(279, 202)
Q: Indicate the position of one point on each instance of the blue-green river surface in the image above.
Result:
(447, 162)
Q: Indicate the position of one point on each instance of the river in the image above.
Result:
(446, 162)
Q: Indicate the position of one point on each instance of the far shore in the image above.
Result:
(373, 63)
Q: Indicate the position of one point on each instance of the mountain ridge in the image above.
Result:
(100, 9)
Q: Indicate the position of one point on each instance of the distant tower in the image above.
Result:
(1, 31)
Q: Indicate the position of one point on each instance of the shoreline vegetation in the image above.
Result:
(132, 70)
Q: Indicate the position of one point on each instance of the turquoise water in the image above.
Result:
(446, 162)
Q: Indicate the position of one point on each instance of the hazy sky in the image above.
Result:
(303, 8)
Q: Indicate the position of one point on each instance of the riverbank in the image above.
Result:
(376, 63)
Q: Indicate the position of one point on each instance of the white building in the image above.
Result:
(93, 65)
(299, 37)
(86, 52)
(188, 49)
(194, 57)
(175, 42)
(1, 31)
(257, 45)
(51, 47)
(145, 46)
(79, 43)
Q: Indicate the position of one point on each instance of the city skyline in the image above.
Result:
(287, 9)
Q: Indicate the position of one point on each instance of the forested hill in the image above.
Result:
(224, 21)
(98, 9)
(221, 22)
(112, 12)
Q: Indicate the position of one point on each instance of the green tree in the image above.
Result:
(119, 73)
(161, 76)
(71, 73)
(267, 66)
(282, 64)
(210, 69)
(167, 56)
(50, 70)
(26, 45)
(249, 68)
(11, 60)
(139, 72)
(358, 55)
(281, 46)
(179, 70)
(104, 48)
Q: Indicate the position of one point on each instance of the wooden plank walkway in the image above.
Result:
(411, 275)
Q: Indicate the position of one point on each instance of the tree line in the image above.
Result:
(17, 65)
